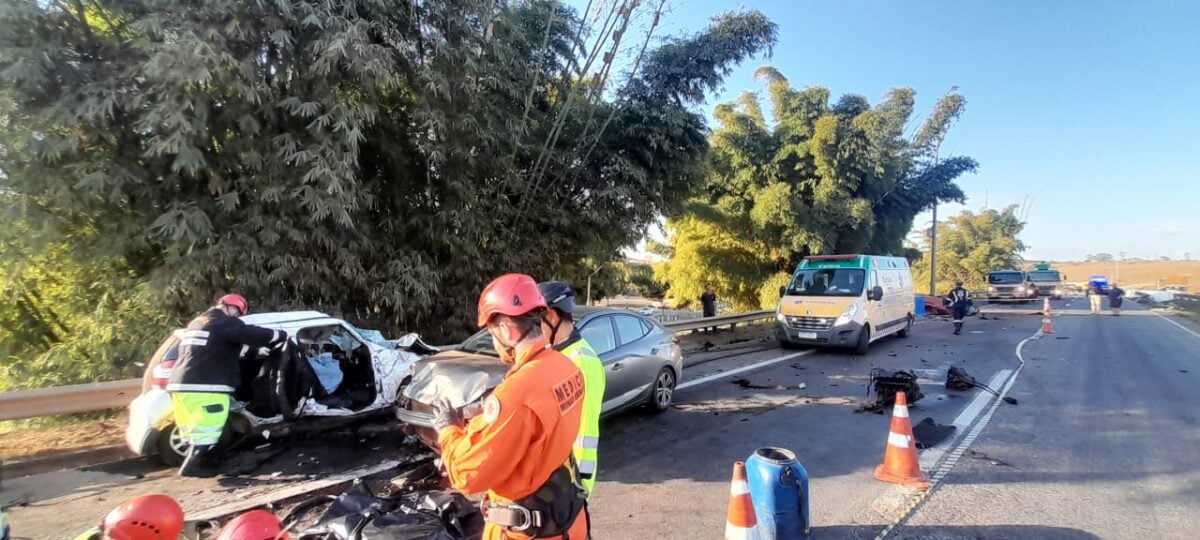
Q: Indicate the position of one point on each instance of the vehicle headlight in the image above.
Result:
(779, 316)
(991, 289)
(847, 315)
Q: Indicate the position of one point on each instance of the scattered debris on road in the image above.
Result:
(958, 379)
(886, 387)
(929, 433)
(745, 383)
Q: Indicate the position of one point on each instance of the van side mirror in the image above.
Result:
(782, 291)
(876, 293)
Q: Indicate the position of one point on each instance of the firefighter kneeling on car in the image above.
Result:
(207, 373)
(520, 448)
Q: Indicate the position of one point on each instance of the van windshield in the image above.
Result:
(1005, 278)
(827, 282)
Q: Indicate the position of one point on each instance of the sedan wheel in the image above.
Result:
(664, 390)
(172, 448)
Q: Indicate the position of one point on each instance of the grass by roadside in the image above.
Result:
(25, 439)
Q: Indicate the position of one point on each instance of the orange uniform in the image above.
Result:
(525, 434)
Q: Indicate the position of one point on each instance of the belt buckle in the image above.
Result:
(528, 518)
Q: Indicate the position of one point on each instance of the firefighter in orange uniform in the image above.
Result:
(520, 448)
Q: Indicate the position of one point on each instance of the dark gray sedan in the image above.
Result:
(642, 363)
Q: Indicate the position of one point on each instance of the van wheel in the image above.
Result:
(172, 449)
(864, 341)
(904, 332)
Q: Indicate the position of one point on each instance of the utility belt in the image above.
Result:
(548, 512)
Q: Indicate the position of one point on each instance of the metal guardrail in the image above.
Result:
(71, 399)
(712, 322)
(103, 396)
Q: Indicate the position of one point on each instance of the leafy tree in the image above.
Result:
(643, 283)
(970, 245)
(1100, 257)
(817, 177)
(376, 160)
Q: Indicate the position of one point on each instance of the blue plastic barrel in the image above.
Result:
(920, 306)
(779, 489)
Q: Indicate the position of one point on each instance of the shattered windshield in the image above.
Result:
(1005, 278)
(1046, 275)
(827, 282)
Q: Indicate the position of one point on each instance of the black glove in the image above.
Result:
(445, 415)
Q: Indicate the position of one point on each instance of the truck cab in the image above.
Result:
(1010, 285)
(1047, 281)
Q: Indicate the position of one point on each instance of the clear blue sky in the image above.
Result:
(1090, 109)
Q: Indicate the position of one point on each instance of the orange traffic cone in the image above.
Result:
(900, 464)
(741, 523)
(1047, 326)
(1046, 307)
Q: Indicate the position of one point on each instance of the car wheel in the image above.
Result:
(172, 449)
(907, 328)
(864, 341)
(663, 391)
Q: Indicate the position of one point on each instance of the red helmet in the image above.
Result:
(235, 300)
(511, 294)
(145, 517)
(253, 525)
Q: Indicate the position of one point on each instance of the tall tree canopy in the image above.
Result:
(969, 246)
(378, 160)
(818, 177)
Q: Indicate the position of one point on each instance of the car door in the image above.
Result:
(636, 361)
(601, 335)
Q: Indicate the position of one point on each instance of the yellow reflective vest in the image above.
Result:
(580, 351)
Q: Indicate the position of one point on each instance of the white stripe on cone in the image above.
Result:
(900, 411)
(898, 440)
(757, 532)
(738, 488)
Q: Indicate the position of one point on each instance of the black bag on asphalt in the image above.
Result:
(958, 379)
(886, 387)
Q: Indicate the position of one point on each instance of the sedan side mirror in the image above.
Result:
(876, 293)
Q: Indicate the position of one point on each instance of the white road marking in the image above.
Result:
(946, 466)
(756, 365)
(930, 457)
(1181, 327)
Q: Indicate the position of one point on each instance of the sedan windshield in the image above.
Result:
(827, 282)
(1005, 278)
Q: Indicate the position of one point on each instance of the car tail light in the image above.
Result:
(161, 373)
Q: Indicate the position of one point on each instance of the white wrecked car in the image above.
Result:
(329, 373)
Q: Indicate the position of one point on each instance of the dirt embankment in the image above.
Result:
(1141, 274)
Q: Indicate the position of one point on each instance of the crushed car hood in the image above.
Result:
(455, 376)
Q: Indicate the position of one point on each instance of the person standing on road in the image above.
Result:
(1095, 296)
(559, 325)
(709, 302)
(1116, 296)
(207, 373)
(960, 301)
(520, 449)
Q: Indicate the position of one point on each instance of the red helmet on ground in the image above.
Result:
(145, 517)
(235, 300)
(253, 525)
(511, 294)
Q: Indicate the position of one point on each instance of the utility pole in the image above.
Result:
(589, 283)
(933, 253)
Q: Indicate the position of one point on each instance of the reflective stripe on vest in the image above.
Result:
(586, 445)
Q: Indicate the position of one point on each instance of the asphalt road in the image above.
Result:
(1101, 443)
(1104, 443)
